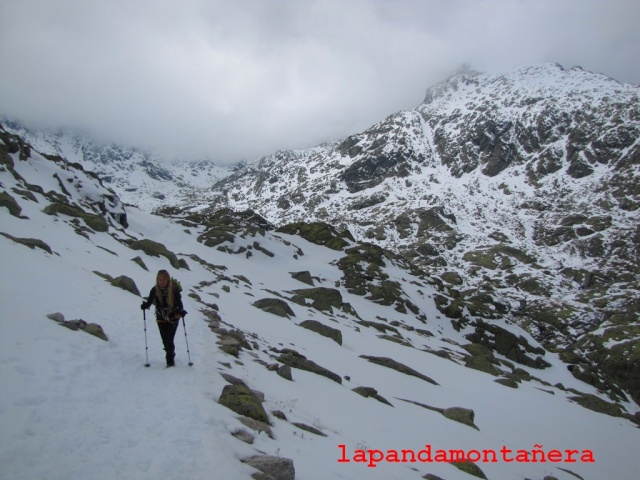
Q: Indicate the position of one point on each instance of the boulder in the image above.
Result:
(277, 468)
(243, 401)
(367, 392)
(318, 327)
(275, 306)
(96, 330)
(296, 360)
(304, 277)
(156, 249)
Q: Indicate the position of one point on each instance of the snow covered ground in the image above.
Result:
(73, 406)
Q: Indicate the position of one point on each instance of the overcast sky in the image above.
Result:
(238, 79)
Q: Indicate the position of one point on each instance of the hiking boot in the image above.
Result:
(170, 361)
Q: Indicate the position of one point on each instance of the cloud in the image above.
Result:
(233, 80)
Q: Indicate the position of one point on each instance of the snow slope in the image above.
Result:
(73, 406)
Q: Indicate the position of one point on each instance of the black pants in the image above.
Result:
(168, 332)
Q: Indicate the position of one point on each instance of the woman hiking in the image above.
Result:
(165, 295)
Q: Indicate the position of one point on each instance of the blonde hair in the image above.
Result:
(170, 296)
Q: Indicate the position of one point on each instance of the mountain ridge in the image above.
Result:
(522, 187)
(136, 174)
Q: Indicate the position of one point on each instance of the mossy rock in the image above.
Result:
(397, 366)
(481, 258)
(481, 358)
(461, 415)
(324, 330)
(296, 360)
(507, 382)
(271, 468)
(529, 284)
(304, 277)
(156, 249)
(225, 225)
(363, 275)
(452, 278)
(6, 200)
(506, 343)
(95, 330)
(215, 236)
(126, 283)
(319, 233)
(612, 352)
(433, 220)
(370, 392)
(600, 223)
(554, 236)
(93, 221)
(309, 428)
(32, 243)
(275, 306)
(323, 298)
(243, 401)
(140, 262)
(500, 256)
(597, 404)
(470, 468)
(122, 282)
(457, 414)
(483, 305)
(398, 340)
(551, 313)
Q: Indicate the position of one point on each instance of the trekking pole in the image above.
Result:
(146, 347)
(187, 341)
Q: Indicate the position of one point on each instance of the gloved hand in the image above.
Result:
(142, 307)
(184, 312)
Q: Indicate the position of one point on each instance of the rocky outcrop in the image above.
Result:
(90, 328)
(276, 306)
(400, 367)
(32, 243)
(156, 249)
(324, 330)
(296, 360)
(370, 392)
(319, 233)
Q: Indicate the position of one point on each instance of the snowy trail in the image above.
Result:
(104, 415)
(79, 407)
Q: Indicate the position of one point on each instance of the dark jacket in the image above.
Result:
(163, 312)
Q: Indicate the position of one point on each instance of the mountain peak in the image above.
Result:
(459, 80)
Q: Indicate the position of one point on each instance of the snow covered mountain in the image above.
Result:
(315, 355)
(520, 191)
(141, 178)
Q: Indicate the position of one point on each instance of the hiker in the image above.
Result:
(165, 295)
